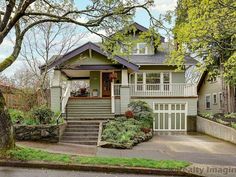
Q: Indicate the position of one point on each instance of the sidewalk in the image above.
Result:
(61, 148)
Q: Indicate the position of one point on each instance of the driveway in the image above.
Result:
(193, 147)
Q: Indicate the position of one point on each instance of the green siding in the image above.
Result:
(84, 59)
(178, 77)
(95, 81)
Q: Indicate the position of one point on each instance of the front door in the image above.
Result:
(106, 85)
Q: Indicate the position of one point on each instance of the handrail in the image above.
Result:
(65, 98)
(58, 118)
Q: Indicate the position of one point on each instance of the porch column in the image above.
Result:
(124, 91)
(124, 77)
(56, 91)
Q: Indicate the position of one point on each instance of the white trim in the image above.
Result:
(169, 111)
(213, 101)
(221, 106)
(138, 48)
(206, 95)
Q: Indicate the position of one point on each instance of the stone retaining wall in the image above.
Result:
(216, 129)
(47, 133)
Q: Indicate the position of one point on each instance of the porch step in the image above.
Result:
(83, 119)
(87, 142)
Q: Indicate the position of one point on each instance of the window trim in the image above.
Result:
(213, 101)
(138, 48)
(161, 79)
(207, 95)
(221, 105)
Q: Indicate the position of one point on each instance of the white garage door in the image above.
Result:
(170, 116)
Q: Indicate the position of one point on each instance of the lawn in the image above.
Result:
(30, 154)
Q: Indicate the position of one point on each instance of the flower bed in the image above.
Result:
(133, 128)
(224, 119)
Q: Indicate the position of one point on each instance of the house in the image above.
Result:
(215, 96)
(112, 84)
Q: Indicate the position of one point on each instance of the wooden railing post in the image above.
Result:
(112, 98)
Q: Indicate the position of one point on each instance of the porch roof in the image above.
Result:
(58, 60)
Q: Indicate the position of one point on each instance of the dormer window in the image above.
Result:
(140, 49)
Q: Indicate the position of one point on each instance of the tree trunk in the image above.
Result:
(7, 139)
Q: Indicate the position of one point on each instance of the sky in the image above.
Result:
(161, 6)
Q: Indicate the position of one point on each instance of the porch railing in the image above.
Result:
(162, 90)
(65, 97)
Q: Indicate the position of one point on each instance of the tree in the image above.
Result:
(55, 40)
(19, 16)
(205, 29)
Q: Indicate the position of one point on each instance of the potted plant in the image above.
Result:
(95, 92)
(113, 76)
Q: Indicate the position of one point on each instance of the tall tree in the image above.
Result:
(55, 39)
(206, 30)
(19, 16)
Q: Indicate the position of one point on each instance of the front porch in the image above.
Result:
(114, 85)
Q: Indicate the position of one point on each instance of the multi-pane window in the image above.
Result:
(153, 80)
(139, 81)
(142, 48)
(214, 98)
(221, 99)
(208, 102)
(166, 81)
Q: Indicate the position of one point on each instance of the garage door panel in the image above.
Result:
(170, 117)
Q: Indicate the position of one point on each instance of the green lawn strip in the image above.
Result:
(30, 154)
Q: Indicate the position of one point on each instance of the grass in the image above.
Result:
(30, 154)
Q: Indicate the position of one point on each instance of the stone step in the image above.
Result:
(89, 101)
(79, 110)
(88, 142)
(79, 134)
(83, 138)
(82, 129)
(99, 119)
(80, 123)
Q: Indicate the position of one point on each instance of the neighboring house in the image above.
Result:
(144, 76)
(215, 96)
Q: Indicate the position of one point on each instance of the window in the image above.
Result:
(214, 98)
(139, 81)
(154, 79)
(140, 49)
(221, 99)
(208, 102)
(166, 81)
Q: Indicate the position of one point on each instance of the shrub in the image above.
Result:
(139, 106)
(129, 114)
(120, 131)
(234, 125)
(17, 116)
(42, 114)
(231, 115)
(142, 112)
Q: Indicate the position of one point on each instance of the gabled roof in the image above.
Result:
(143, 29)
(88, 46)
(201, 80)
